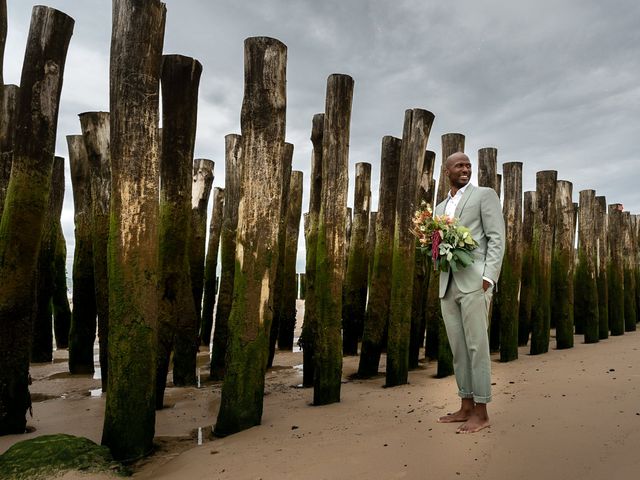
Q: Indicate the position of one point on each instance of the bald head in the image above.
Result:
(457, 168)
(454, 158)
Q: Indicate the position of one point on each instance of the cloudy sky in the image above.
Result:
(553, 84)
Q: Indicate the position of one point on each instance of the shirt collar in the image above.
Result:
(460, 190)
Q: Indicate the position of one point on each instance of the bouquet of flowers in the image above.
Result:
(449, 243)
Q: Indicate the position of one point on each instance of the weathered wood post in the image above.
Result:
(96, 133)
(82, 333)
(509, 283)
(232, 172)
(136, 62)
(371, 248)
(615, 270)
(562, 266)
(312, 217)
(210, 267)
(635, 254)
(544, 226)
(422, 272)
(60, 300)
(602, 250)
(451, 143)
(290, 290)
(331, 253)
(586, 288)
(303, 285)
(488, 177)
(23, 215)
(263, 129)
(179, 207)
(9, 96)
(528, 282)
(417, 126)
(355, 288)
(202, 183)
(278, 285)
(630, 314)
(377, 313)
(42, 343)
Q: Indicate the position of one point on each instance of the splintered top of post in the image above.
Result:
(267, 41)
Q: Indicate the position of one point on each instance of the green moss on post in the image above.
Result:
(417, 126)
(602, 280)
(527, 284)
(615, 271)
(629, 249)
(60, 300)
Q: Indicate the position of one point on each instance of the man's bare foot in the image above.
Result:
(459, 416)
(474, 424)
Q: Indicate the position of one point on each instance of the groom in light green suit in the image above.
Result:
(466, 295)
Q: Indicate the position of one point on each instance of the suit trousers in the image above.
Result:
(466, 319)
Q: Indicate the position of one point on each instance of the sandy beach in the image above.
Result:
(568, 414)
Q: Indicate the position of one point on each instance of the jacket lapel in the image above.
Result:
(463, 201)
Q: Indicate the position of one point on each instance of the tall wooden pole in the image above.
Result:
(211, 266)
(330, 254)
(9, 96)
(233, 170)
(355, 289)
(96, 134)
(417, 126)
(310, 323)
(42, 344)
(289, 287)
(509, 283)
(562, 266)
(263, 129)
(278, 285)
(615, 271)
(544, 226)
(60, 300)
(602, 251)
(371, 247)
(528, 283)
(136, 60)
(23, 215)
(177, 317)
(451, 143)
(377, 313)
(82, 333)
(628, 249)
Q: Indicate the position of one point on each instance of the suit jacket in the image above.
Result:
(479, 210)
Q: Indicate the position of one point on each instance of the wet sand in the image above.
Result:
(568, 414)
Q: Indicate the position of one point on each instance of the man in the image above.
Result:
(466, 295)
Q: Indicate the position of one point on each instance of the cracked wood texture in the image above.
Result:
(602, 249)
(615, 270)
(262, 123)
(136, 59)
(25, 205)
(9, 96)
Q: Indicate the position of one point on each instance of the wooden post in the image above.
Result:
(136, 62)
(451, 143)
(630, 314)
(303, 286)
(355, 288)
(8, 109)
(42, 343)
(330, 254)
(210, 267)
(289, 290)
(422, 272)
(278, 285)
(417, 125)
(371, 248)
(544, 225)
(615, 271)
(510, 276)
(95, 131)
(263, 129)
(527, 284)
(602, 250)
(377, 313)
(177, 316)
(202, 183)
(233, 171)
(310, 323)
(82, 333)
(23, 215)
(635, 259)
(562, 266)
(60, 300)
